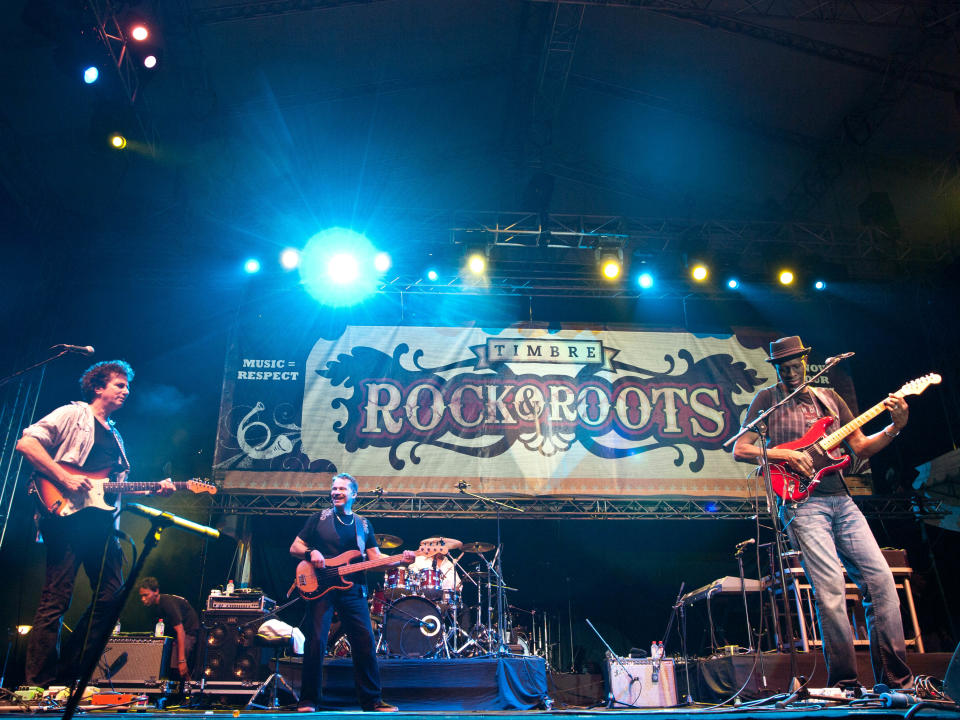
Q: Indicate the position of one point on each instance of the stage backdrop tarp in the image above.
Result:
(526, 411)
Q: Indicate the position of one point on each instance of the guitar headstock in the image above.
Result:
(438, 546)
(201, 486)
(915, 387)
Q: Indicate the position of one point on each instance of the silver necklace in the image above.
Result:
(349, 524)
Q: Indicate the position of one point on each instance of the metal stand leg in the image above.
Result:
(273, 682)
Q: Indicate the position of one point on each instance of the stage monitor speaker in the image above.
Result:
(951, 681)
(134, 658)
(228, 652)
(633, 683)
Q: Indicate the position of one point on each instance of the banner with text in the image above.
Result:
(526, 411)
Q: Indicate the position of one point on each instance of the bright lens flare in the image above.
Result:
(477, 263)
(699, 273)
(381, 262)
(786, 277)
(343, 269)
(611, 269)
(290, 258)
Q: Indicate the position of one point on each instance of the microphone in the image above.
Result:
(82, 349)
(742, 545)
(171, 519)
(838, 358)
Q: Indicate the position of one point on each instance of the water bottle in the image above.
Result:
(653, 650)
(230, 587)
(659, 649)
(158, 630)
(116, 628)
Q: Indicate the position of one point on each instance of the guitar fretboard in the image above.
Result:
(139, 486)
(833, 439)
(370, 564)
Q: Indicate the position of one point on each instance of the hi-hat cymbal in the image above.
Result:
(477, 547)
(443, 543)
(388, 542)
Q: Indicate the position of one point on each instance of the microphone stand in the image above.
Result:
(157, 526)
(758, 426)
(743, 591)
(494, 568)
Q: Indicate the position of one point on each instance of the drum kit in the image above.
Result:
(439, 608)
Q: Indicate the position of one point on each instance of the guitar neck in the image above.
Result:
(835, 438)
(370, 564)
(119, 487)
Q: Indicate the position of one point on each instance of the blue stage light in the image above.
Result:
(733, 283)
(336, 267)
(382, 262)
(820, 285)
(90, 74)
(432, 275)
(645, 280)
(251, 266)
(290, 258)
(711, 507)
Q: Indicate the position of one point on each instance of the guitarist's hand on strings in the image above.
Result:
(73, 483)
(799, 461)
(409, 556)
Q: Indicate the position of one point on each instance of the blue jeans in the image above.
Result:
(830, 530)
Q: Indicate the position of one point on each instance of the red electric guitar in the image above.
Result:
(58, 501)
(791, 486)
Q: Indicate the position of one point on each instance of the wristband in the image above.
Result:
(306, 555)
(896, 431)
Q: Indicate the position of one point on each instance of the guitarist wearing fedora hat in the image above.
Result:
(826, 526)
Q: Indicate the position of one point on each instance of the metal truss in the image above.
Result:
(267, 8)
(915, 14)
(540, 508)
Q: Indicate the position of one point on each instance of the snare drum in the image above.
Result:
(399, 581)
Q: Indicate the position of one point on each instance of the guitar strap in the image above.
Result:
(360, 526)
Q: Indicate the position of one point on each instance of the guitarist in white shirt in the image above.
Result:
(827, 527)
(82, 435)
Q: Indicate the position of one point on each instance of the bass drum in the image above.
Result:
(412, 628)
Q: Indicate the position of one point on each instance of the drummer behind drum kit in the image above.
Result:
(425, 610)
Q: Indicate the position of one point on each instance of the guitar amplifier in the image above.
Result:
(641, 682)
(134, 659)
(229, 651)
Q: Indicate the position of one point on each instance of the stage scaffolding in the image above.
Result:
(574, 508)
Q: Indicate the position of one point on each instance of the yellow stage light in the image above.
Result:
(699, 273)
(786, 277)
(477, 263)
(118, 141)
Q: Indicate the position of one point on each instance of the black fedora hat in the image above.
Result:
(786, 348)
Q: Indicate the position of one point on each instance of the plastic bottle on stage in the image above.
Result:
(116, 628)
(158, 630)
(230, 587)
(659, 649)
(653, 650)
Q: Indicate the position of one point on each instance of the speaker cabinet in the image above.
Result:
(133, 658)
(229, 652)
(641, 682)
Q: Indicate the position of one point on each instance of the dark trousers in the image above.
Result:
(87, 539)
(351, 606)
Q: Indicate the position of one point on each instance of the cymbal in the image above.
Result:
(444, 542)
(388, 542)
(477, 547)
